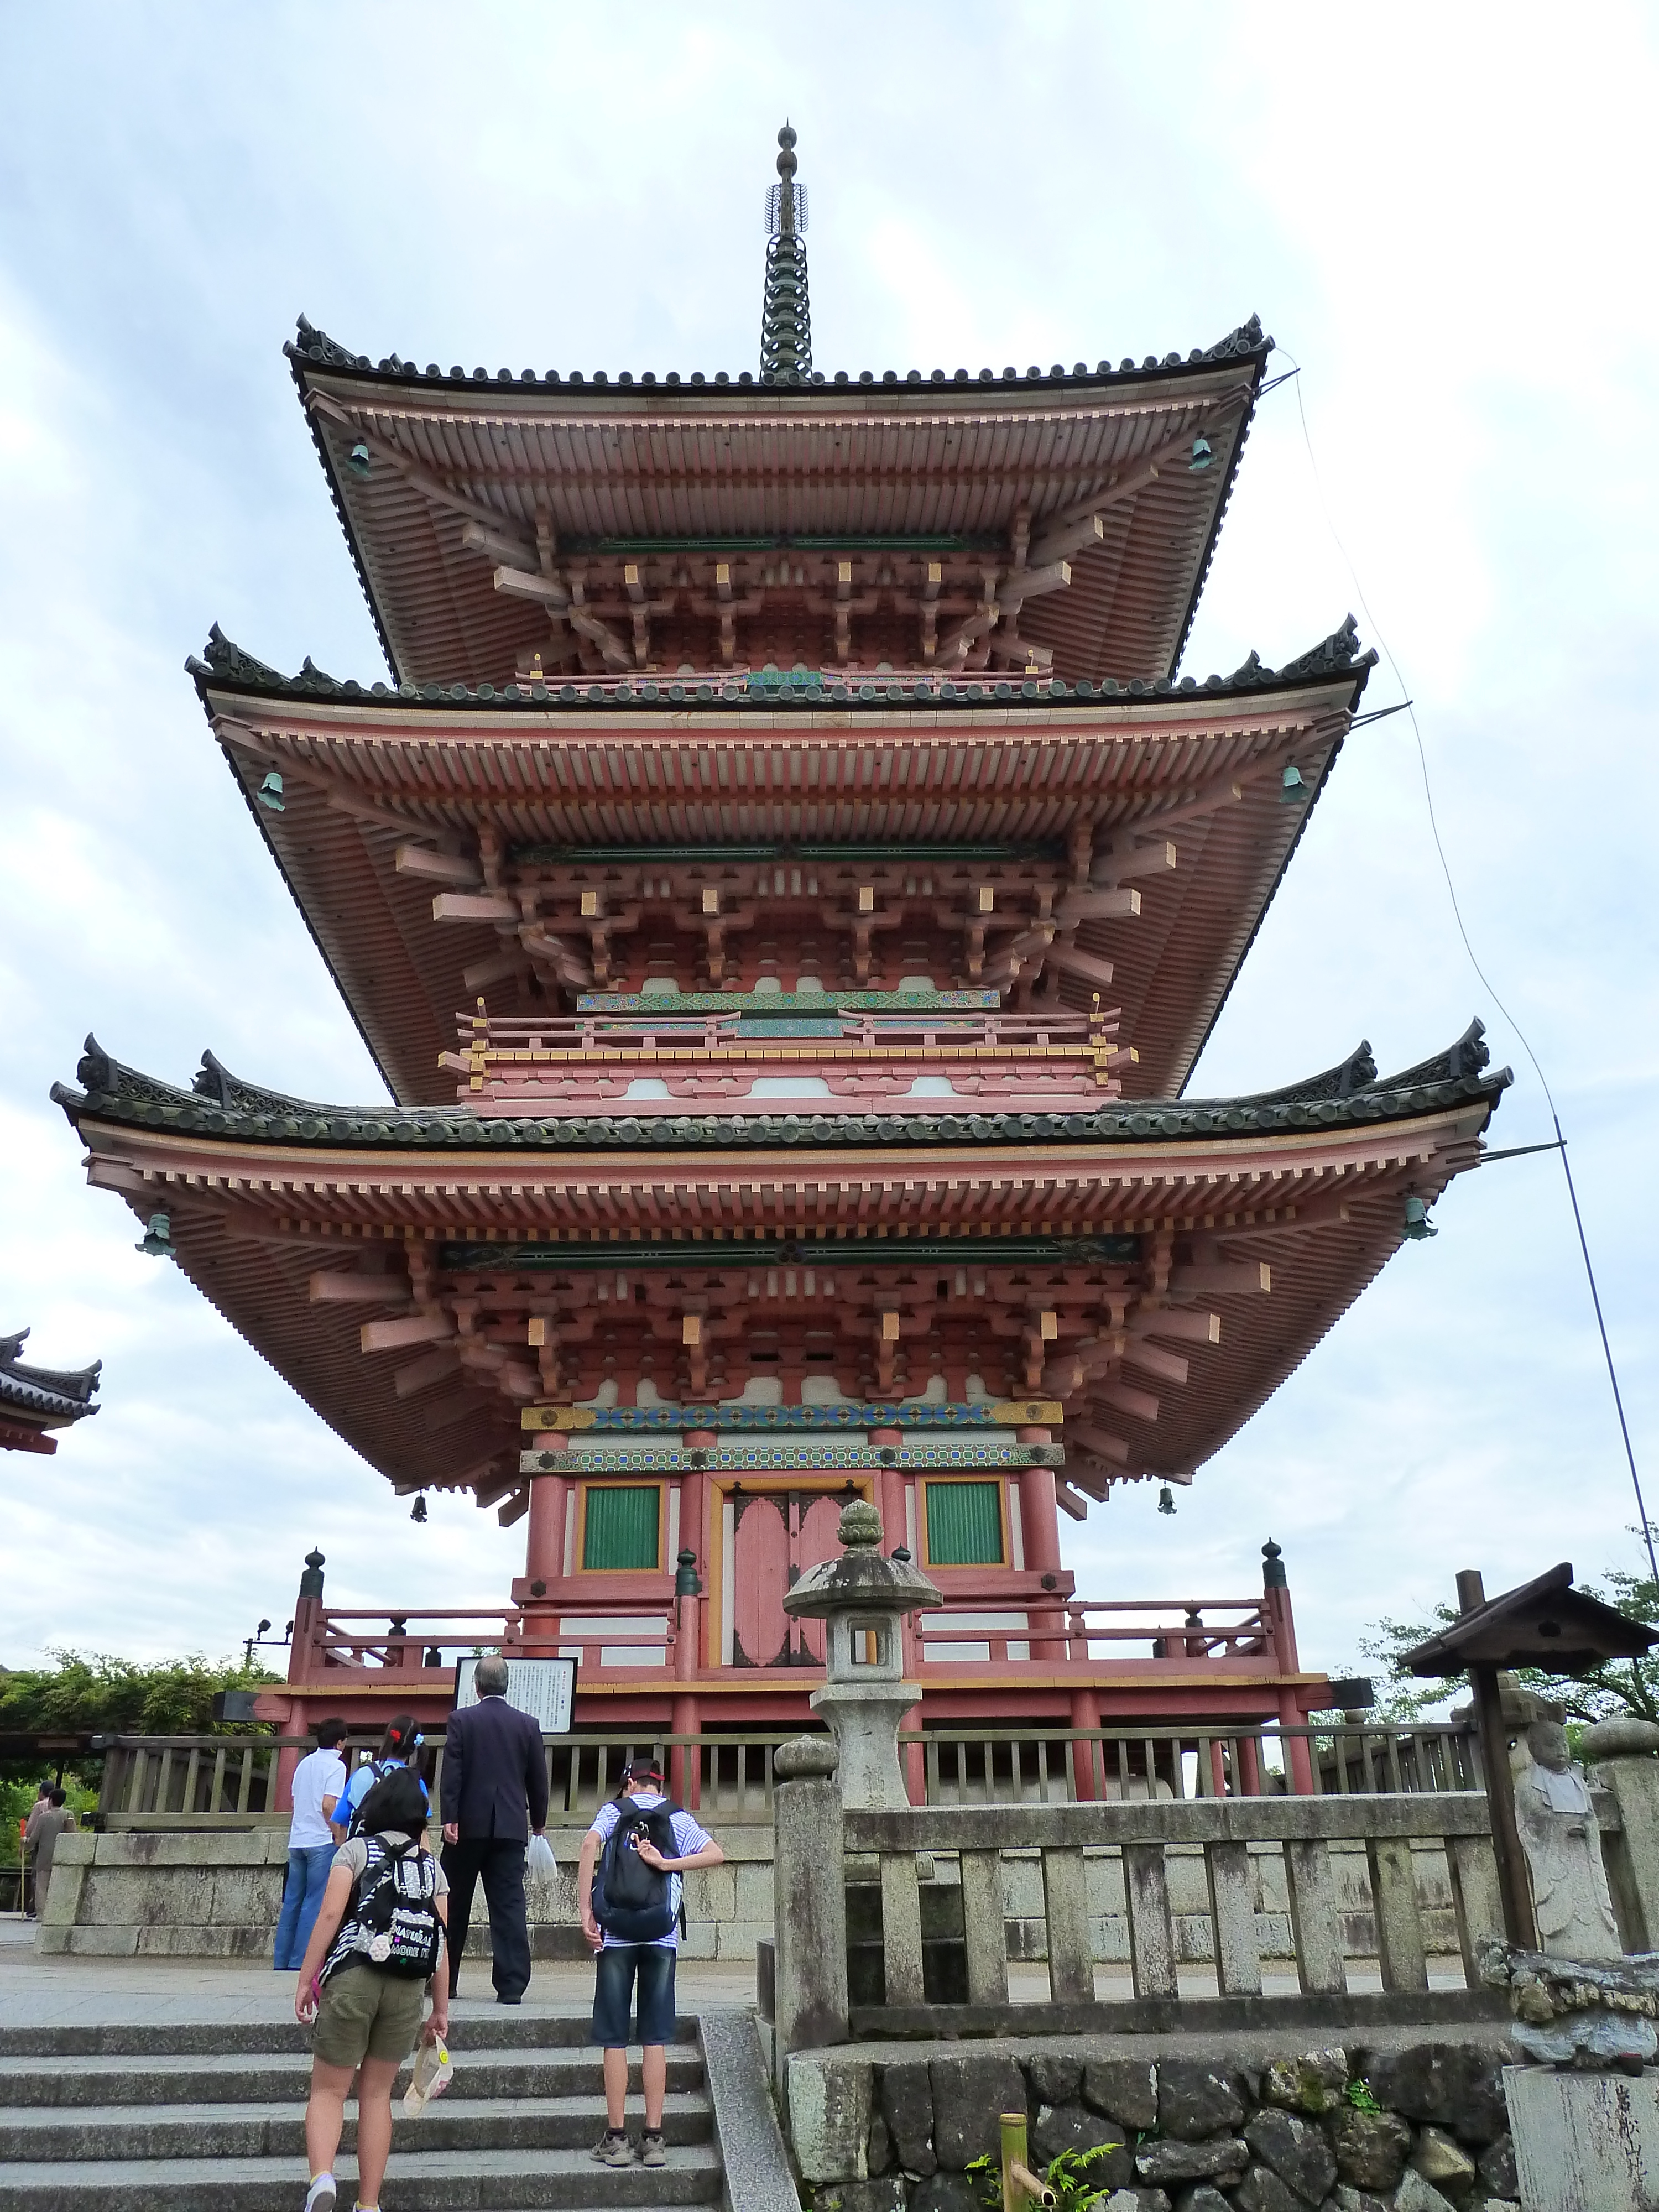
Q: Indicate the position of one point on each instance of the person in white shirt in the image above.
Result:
(319, 1780)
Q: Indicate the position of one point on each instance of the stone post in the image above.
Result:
(862, 1599)
(809, 1890)
(1622, 1754)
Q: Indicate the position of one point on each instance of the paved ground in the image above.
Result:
(58, 1990)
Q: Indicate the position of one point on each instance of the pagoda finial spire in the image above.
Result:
(786, 316)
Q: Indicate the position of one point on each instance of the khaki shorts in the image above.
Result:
(364, 2014)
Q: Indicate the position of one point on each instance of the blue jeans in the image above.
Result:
(303, 1896)
(617, 1967)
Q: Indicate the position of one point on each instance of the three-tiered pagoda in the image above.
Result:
(786, 885)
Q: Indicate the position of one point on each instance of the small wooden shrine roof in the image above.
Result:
(368, 771)
(1262, 1219)
(34, 1399)
(973, 470)
(1544, 1623)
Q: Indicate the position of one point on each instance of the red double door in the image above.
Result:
(778, 1535)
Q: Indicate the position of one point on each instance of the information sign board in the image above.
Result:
(543, 1687)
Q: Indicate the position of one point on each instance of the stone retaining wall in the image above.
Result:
(200, 1894)
(172, 1893)
(1418, 2127)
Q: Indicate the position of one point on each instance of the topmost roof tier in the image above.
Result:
(1061, 520)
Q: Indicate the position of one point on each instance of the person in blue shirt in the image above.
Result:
(398, 1745)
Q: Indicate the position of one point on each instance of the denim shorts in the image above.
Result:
(618, 1965)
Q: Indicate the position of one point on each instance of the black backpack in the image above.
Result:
(632, 1901)
(393, 1921)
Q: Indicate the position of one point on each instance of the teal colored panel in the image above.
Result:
(964, 1524)
(620, 1527)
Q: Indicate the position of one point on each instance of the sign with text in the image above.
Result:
(544, 1688)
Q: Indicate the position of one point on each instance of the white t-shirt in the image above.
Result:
(689, 1840)
(320, 1774)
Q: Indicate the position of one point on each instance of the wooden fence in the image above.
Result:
(225, 1781)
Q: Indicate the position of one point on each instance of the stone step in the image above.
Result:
(417, 2181)
(489, 2028)
(283, 2077)
(232, 2131)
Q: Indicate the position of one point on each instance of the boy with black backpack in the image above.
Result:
(628, 1890)
(375, 1953)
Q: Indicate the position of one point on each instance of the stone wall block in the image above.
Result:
(1371, 2147)
(1313, 2083)
(1358, 2200)
(829, 2108)
(245, 1898)
(1022, 1886)
(1125, 2090)
(1054, 2078)
(1108, 1940)
(736, 1939)
(1202, 2198)
(1223, 2159)
(971, 2094)
(752, 1893)
(1027, 1940)
(698, 1941)
(1297, 2150)
(1264, 2190)
(1443, 2161)
(907, 2108)
(1416, 2195)
(102, 1943)
(135, 1897)
(711, 1893)
(1196, 2099)
(884, 2196)
(1061, 2128)
(1497, 2168)
(1454, 2086)
(1194, 1939)
(947, 2192)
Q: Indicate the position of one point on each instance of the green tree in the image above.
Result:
(1621, 1685)
(88, 1693)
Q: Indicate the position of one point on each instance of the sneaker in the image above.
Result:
(653, 2150)
(613, 2149)
(321, 2198)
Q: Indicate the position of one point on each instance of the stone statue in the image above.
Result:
(1563, 1847)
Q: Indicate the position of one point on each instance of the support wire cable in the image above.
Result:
(1560, 1144)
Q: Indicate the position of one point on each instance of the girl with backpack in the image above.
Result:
(376, 1950)
(399, 1745)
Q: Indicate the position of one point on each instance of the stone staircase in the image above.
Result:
(210, 2118)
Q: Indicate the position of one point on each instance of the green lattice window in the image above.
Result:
(619, 1527)
(964, 1524)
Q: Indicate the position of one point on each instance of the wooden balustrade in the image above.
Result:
(213, 1781)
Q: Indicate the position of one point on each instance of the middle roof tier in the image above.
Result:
(1061, 847)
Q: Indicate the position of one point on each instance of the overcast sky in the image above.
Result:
(1443, 215)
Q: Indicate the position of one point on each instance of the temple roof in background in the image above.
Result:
(33, 1399)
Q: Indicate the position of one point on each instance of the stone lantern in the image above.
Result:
(862, 1598)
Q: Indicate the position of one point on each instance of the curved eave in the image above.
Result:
(1320, 1206)
(1131, 608)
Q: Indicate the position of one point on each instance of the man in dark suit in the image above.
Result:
(494, 1795)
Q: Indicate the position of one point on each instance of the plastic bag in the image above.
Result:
(433, 2074)
(541, 1871)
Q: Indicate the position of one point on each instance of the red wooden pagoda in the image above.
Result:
(785, 886)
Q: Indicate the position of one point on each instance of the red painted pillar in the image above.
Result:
(1039, 1516)
(1085, 1714)
(544, 1558)
(1281, 1624)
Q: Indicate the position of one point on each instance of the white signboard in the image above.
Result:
(546, 1688)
